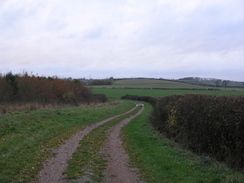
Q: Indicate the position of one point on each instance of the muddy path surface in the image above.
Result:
(118, 170)
(53, 168)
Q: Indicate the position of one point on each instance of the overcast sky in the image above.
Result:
(123, 38)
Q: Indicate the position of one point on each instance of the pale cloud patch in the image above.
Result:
(171, 37)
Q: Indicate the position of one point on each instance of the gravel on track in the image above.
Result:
(118, 170)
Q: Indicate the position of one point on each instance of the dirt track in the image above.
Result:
(53, 168)
(118, 170)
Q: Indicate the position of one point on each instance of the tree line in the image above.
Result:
(102, 81)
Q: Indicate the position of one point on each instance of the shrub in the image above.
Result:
(206, 124)
(99, 98)
(17, 89)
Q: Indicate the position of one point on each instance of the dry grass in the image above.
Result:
(31, 106)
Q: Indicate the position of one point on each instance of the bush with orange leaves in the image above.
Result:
(30, 88)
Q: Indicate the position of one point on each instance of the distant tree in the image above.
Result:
(11, 80)
(217, 82)
(197, 79)
(102, 82)
(225, 83)
(111, 79)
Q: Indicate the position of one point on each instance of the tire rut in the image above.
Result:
(118, 170)
(53, 168)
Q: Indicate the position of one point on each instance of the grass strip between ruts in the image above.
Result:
(160, 160)
(89, 160)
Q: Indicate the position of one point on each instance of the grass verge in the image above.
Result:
(88, 162)
(159, 160)
(27, 138)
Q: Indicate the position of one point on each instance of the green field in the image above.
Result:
(119, 88)
(152, 83)
(148, 83)
(117, 93)
(212, 82)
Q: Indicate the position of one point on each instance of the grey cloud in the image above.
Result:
(202, 29)
(123, 38)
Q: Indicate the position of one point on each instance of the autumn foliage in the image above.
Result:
(30, 88)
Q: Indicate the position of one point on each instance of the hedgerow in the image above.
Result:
(151, 100)
(206, 124)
